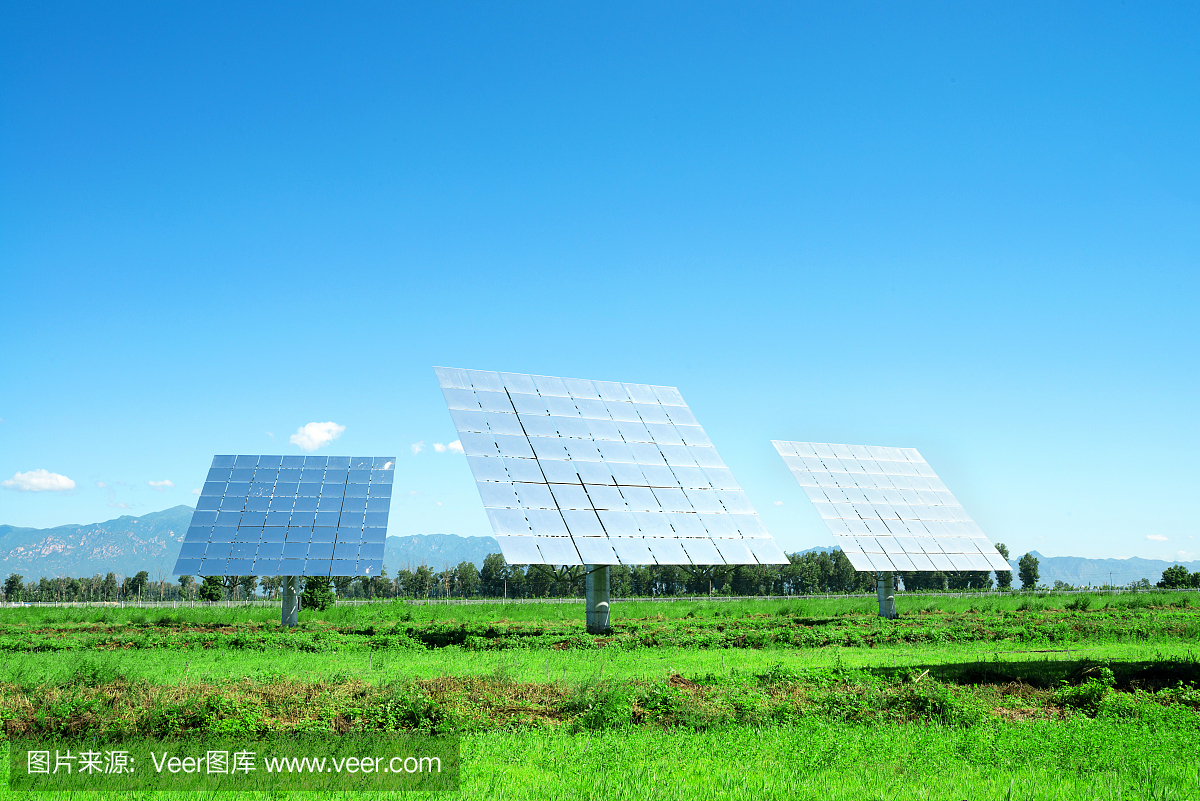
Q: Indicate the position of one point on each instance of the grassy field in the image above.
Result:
(959, 698)
(625, 610)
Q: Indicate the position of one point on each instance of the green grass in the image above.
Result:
(702, 625)
(946, 661)
(961, 698)
(97, 695)
(1082, 759)
(622, 610)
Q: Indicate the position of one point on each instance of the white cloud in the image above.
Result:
(316, 435)
(101, 485)
(1156, 538)
(439, 447)
(779, 503)
(119, 505)
(161, 485)
(196, 491)
(38, 481)
(1185, 556)
(455, 447)
(271, 434)
(417, 447)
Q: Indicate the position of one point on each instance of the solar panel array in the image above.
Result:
(596, 472)
(887, 509)
(290, 516)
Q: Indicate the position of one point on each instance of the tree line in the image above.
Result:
(1176, 577)
(810, 573)
(110, 587)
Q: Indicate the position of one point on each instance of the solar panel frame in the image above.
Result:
(623, 473)
(252, 518)
(887, 508)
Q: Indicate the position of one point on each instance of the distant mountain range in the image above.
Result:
(438, 551)
(1080, 571)
(151, 543)
(123, 546)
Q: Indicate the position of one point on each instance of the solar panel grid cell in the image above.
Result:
(294, 508)
(893, 495)
(609, 460)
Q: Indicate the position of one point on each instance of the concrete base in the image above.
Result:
(291, 600)
(885, 587)
(596, 590)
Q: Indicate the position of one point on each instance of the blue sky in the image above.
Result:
(968, 229)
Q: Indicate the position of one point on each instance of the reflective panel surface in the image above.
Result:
(573, 471)
(887, 509)
(290, 516)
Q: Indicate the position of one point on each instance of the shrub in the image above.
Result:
(1186, 694)
(317, 594)
(245, 641)
(409, 709)
(935, 702)
(599, 707)
(1088, 695)
(399, 641)
(779, 674)
(211, 589)
(93, 673)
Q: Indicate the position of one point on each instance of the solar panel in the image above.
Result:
(887, 509)
(575, 472)
(290, 516)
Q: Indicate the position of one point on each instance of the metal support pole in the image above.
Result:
(596, 596)
(291, 600)
(887, 598)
